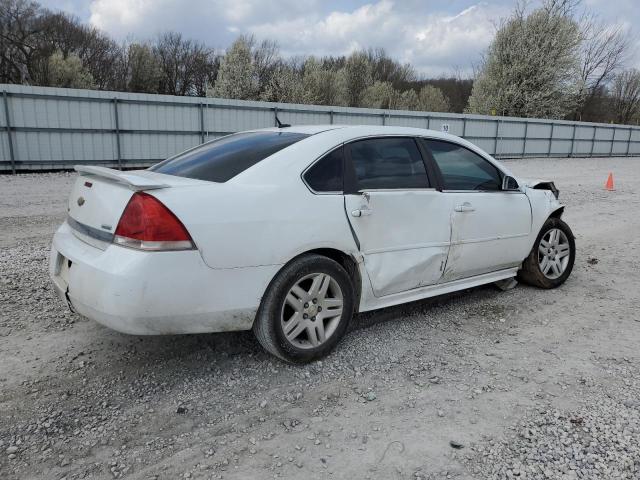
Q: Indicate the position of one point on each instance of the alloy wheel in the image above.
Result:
(553, 253)
(312, 310)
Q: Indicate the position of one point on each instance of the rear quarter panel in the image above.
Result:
(239, 225)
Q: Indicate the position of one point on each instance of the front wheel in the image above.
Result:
(551, 260)
(305, 310)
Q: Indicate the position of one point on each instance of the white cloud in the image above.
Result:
(215, 22)
(419, 32)
(433, 42)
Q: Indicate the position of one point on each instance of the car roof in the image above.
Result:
(305, 129)
(354, 131)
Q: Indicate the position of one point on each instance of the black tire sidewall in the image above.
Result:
(279, 289)
(552, 223)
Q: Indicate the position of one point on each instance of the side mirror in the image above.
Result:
(510, 184)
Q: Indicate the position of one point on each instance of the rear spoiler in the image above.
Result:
(134, 181)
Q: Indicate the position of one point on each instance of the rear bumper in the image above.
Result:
(154, 293)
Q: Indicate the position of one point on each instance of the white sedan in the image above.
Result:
(290, 231)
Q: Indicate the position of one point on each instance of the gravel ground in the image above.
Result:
(476, 385)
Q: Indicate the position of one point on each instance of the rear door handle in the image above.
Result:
(361, 212)
(465, 207)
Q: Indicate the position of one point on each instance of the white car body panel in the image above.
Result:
(249, 227)
(245, 226)
(404, 239)
(150, 293)
(491, 232)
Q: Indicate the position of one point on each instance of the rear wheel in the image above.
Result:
(306, 309)
(551, 260)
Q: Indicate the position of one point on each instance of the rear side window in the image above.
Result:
(223, 159)
(388, 163)
(463, 169)
(326, 174)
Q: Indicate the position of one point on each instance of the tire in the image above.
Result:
(549, 246)
(288, 306)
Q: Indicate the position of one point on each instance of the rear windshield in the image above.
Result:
(223, 159)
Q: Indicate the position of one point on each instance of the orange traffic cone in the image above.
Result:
(609, 184)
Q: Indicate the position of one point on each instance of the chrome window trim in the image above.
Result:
(390, 190)
(485, 191)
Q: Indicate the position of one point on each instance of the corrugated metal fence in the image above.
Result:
(56, 128)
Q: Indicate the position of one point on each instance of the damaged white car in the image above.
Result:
(290, 231)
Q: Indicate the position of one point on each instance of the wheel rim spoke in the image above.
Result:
(312, 335)
(318, 280)
(312, 310)
(553, 253)
(294, 327)
(332, 313)
(332, 303)
(294, 302)
(324, 286)
(544, 265)
(299, 292)
(320, 329)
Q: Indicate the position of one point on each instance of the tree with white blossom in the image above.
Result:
(531, 68)
(236, 76)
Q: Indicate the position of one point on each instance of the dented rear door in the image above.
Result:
(402, 224)
(404, 239)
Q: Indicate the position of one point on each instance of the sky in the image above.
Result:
(437, 37)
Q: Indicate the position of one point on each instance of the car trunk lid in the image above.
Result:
(100, 195)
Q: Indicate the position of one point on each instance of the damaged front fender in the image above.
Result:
(540, 185)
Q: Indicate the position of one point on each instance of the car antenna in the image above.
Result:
(280, 124)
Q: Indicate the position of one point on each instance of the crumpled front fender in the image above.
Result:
(538, 184)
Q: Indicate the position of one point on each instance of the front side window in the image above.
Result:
(388, 163)
(463, 169)
(222, 159)
(326, 174)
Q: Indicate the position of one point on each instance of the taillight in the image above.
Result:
(146, 224)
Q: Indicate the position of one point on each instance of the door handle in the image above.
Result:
(465, 207)
(361, 212)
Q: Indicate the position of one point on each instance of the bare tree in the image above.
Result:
(19, 29)
(604, 50)
(561, 8)
(386, 69)
(625, 93)
(266, 60)
(183, 64)
(99, 54)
